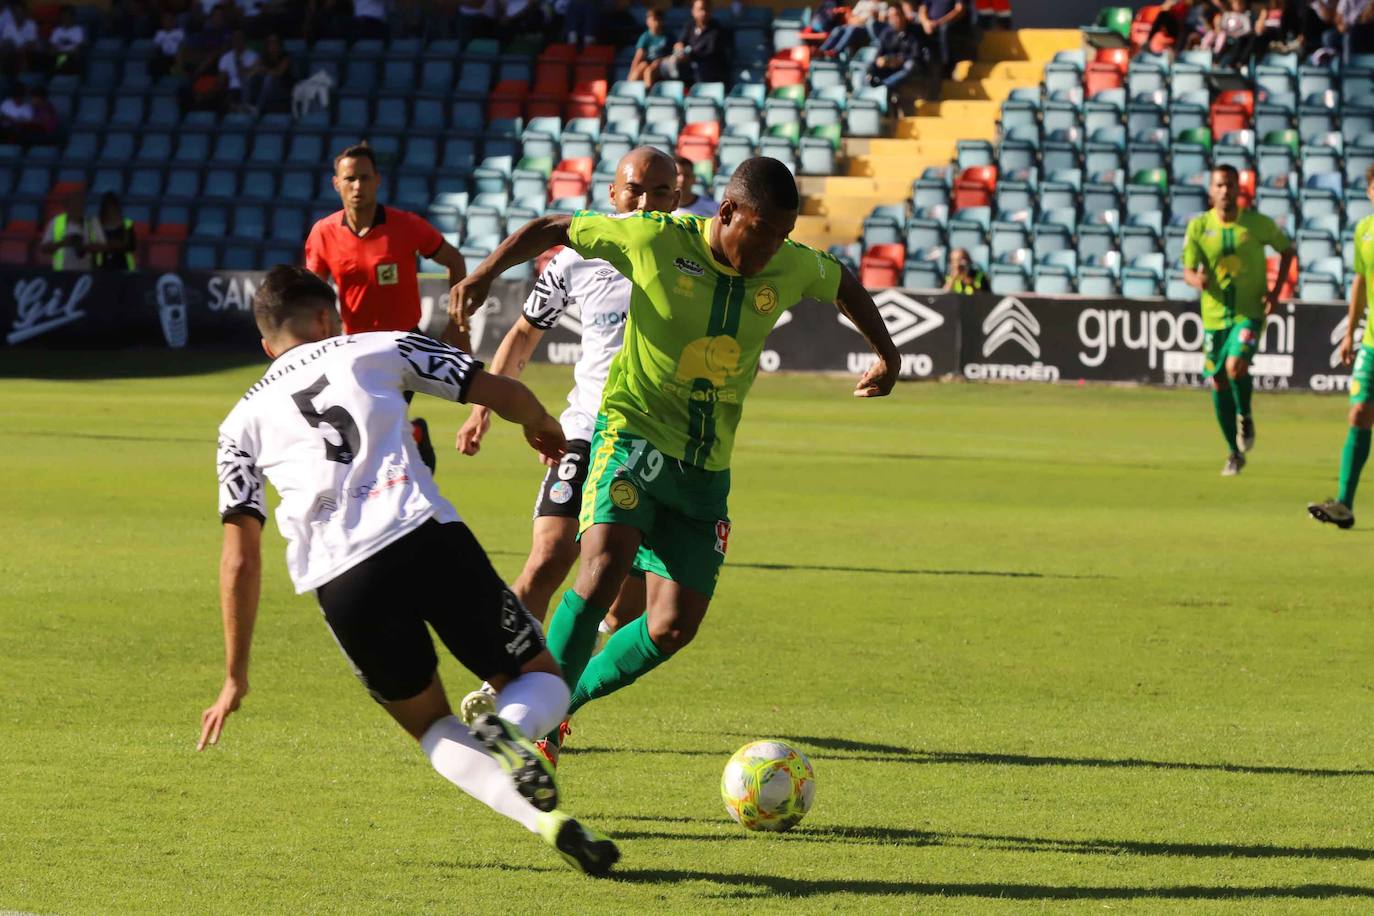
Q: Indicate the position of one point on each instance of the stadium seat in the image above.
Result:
(882, 265)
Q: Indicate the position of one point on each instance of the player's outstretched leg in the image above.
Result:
(532, 775)
(1224, 403)
(1244, 387)
(608, 551)
(675, 614)
(1341, 510)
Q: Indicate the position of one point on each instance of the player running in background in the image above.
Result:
(706, 292)
(1223, 258)
(690, 203)
(327, 426)
(370, 252)
(1341, 510)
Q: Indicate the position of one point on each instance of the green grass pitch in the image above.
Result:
(1042, 656)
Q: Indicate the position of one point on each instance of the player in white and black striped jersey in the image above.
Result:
(385, 553)
(593, 297)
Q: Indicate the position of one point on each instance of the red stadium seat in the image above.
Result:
(583, 166)
(1229, 116)
(881, 265)
(707, 129)
(1247, 188)
(1120, 58)
(597, 54)
(1100, 77)
(1242, 97)
(563, 53)
(160, 253)
(975, 187)
(581, 106)
(544, 106)
(1143, 25)
(550, 79)
(596, 88)
(567, 184)
(1290, 285)
(800, 54)
(507, 99)
(587, 72)
(785, 73)
(17, 243)
(697, 149)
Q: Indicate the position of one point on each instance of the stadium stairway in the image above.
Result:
(881, 170)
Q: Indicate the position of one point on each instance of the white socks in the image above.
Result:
(534, 703)
(463, 761)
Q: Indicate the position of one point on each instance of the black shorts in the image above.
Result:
(560, 495)
(437, 574)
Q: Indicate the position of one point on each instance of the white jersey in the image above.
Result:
(327, 426)
(702, 206)
(592, 298)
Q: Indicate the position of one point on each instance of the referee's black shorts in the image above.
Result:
(436, 574)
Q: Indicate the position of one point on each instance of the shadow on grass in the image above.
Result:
(77, 365)
(867, 752)
(880, 570)
(900, 836)
(752, 886)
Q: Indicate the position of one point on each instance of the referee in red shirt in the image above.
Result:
(369, 251)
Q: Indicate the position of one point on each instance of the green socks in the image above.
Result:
(1225, 404)
(1352, 462)
(628, 655)
(572, 634)
(1244, 388)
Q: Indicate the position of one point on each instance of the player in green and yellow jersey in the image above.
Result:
(1341, 510)
(1224, 258)
(706, 293)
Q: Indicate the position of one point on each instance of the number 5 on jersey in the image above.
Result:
(335, 419)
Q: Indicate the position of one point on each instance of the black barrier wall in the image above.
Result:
(979, 338)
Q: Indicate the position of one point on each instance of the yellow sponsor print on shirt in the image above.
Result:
(712, 358)
(1227, 269)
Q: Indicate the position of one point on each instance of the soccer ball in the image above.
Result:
(768, 786)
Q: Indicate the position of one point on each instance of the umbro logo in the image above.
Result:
(1011, 322)
(689, 267)
(906, 319)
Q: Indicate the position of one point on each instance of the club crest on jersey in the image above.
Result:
(388, 275)
(685, 286)
(689, 267)
(624, 494)
(765, 300)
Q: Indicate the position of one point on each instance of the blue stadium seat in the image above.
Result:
(288, 224)
(259, 185)
(969, 227)
(220, 184)
(268, 149)
(145, 182)
(1141, 234)
(239, 256)
(211, 222)
(201, 256)
(1011, 232)
(182, 184)
(352, 112)
(297, 185)
(250, 221)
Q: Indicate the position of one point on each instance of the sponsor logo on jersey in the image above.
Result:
(388, 275)
(722, 536)
(689, 267)
(685, 286)
(561, 492)
(624, 494)
(712, 358)
(765, 300)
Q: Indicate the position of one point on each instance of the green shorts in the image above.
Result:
(1362, 376)
(1241, 340)
(680, 510)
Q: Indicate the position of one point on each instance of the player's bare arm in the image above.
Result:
(515, 403)
(451, 259)
(1271, 300)
(1352, 319)
(857, 305)
(1196, 277)
(240, 583)
(526, 243)
(510, 360)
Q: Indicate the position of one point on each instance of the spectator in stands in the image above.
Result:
(942, 22)
(269, 83)
(1231, 34)
(689, 201)
(202, 51)
(328, 19)
(18, 39)
(116, 251)
(68, 42)
(864, 24)
(964, 277)
(46, 125)
(699, 55)
(167, 42)
(650, 50)
(234, 67)
(477, 18)
(581, 20)
(899, 52)
(16, 116)
(70, 235)
(519, 17)
(1354, 29)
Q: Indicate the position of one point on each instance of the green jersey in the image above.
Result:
(1364, 266)
(1237, 268)
(695, 328)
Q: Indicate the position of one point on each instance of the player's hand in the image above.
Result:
(877, 382)
(212, 720)
(1348, 351)
(470, 436)
(1271, 302)
(546, 438)
(467, 297)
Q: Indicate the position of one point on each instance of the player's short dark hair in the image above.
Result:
(286, 294)
(653, 11)
(1228, 169)
(356, 151)
(763, 183)
(684, 162)
(1369, 176)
